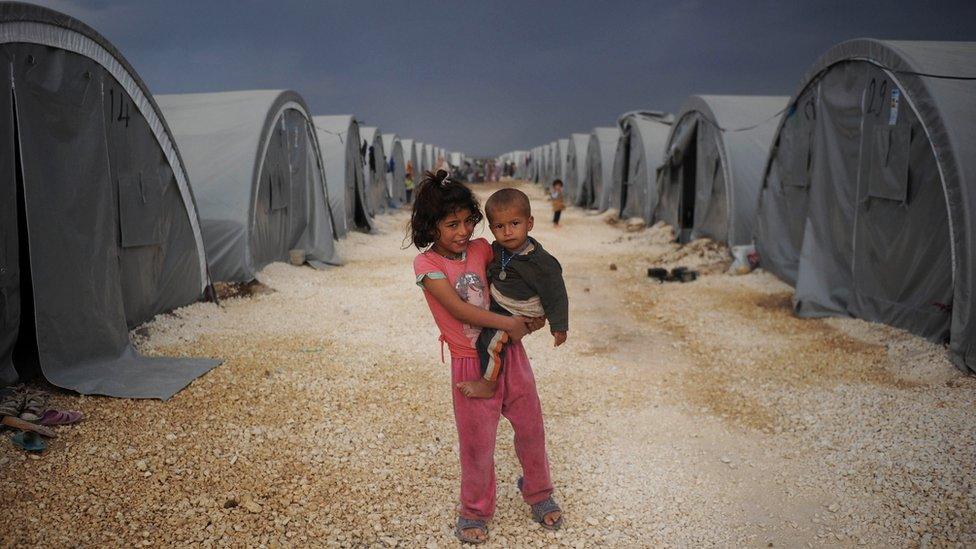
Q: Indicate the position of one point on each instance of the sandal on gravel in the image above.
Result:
(29, 440)
(543, 508)
(60, 417)
(34, 402)
(467, 524)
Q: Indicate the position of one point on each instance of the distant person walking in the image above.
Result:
(558, 204)
(408, 181)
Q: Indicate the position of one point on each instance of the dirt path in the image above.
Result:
(677, 414)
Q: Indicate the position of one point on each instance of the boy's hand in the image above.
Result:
(535, 323)
(558, 338)
(518, 328)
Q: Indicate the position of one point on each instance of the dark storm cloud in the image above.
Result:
(487, 77)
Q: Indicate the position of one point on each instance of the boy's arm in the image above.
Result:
(470, 314)
(548, 282)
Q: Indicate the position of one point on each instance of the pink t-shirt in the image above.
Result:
(467, 276)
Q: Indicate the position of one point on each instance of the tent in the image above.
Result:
(396, 170)
(643, 135)
(579, 144)
(457, 159)
(254, 162)
(338, 138)
(421, 165)
(374, 169)
(868, 197)
(709, 182)
(597, 181)
(563, 160)
(429, 160)
(410, 155)
(98, 224)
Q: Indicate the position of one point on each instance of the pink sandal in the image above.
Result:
(58, 417)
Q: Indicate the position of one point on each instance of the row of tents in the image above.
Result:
(859, 190)
(117, 205)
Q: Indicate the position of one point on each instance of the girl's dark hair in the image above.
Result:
(438, 196)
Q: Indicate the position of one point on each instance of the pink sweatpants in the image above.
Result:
(477, 424)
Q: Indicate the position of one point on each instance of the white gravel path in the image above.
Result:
(677, 414)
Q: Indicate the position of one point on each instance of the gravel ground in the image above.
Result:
(677, 414)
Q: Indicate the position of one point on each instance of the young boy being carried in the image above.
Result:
(525, 280)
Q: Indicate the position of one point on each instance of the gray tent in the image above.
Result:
(709, 183)
(563, 160)
(421, 165)
(254, 162)
(429, 161)
(339, 146)
(643, 135)
(409, 147)
(374, 169)
(98, 227)
(579, 144)
(396, 171)
(598, 180)
(869, 195)
(555, 164)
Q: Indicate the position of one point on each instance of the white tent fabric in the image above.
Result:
(374, 168)
(422, 166)
(639, 153)
(579, 144)
(599, 168)
(339, 145)
(99, 229)
(869, 194)
(396, 170)
(563, 160)
(254, 162)
(709, 185)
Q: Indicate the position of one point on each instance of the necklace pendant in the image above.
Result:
(502, 275)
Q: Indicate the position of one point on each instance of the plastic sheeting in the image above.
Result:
(395, 177)
(254, 162)
(868, 198)
(639, 153)
(709, 183)
(374, 169)
(340, 150)
(98, 229)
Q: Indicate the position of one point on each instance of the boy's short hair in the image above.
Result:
(507, 198)
(557, 182)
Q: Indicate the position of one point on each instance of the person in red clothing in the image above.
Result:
(451, 271)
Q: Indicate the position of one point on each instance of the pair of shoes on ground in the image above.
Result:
(539, 512)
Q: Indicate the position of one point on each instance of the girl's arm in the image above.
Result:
(476, 316)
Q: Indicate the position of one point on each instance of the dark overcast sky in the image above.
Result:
(486, 77)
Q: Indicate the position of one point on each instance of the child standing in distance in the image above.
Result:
(408, 181)
(558, 205)
(524, 279)
(445, 213)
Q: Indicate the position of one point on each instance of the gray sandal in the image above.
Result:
(467, 524)
(543, 508)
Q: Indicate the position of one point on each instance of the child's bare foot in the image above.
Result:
(479, 388)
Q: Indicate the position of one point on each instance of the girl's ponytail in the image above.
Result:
(438, 196)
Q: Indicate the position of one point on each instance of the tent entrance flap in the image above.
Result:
(24, 354)
(625, 175)
(686, 205)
